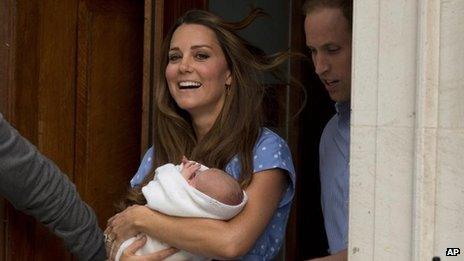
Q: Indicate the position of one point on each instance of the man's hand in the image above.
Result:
(340, 256)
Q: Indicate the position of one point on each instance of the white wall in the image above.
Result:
(407, 133)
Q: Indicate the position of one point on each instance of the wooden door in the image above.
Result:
(73, 85)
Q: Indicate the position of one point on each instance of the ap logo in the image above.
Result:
(453, 251)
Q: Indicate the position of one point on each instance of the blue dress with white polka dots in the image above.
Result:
(270, 152)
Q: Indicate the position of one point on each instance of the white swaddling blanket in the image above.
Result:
(170, 193)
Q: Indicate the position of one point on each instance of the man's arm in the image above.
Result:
(340, 256)
(36, 186)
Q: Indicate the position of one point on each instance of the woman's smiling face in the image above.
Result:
(197, 72)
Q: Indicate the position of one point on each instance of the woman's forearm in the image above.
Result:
(208, 237)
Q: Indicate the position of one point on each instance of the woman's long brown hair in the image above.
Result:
(239, 123)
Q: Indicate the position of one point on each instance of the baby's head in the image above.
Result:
(218, 185)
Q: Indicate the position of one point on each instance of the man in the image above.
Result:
(33, 184)
(328, 26)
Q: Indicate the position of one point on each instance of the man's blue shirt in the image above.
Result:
(334, 155)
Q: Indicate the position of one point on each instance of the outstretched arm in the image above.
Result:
(212, 238)
(36, 186)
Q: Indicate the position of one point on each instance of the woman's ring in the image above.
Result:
(108, 239)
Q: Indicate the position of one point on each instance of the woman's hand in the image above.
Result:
(122, 226)
(129, 253)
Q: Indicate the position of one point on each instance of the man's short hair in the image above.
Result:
(345, 5)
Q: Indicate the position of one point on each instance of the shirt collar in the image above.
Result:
(342, 107)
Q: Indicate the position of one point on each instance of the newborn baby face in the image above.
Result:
(189, 169)
(212, 182)
(196, 177)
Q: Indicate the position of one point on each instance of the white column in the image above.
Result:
(426, 124)
(449, 223)
(407, 132)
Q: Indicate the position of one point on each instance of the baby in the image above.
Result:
(212, 182)
(189, 190)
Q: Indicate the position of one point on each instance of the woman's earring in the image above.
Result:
(227, 87)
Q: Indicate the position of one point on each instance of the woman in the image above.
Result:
(208, 107)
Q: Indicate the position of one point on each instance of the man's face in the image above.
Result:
(329, 41)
